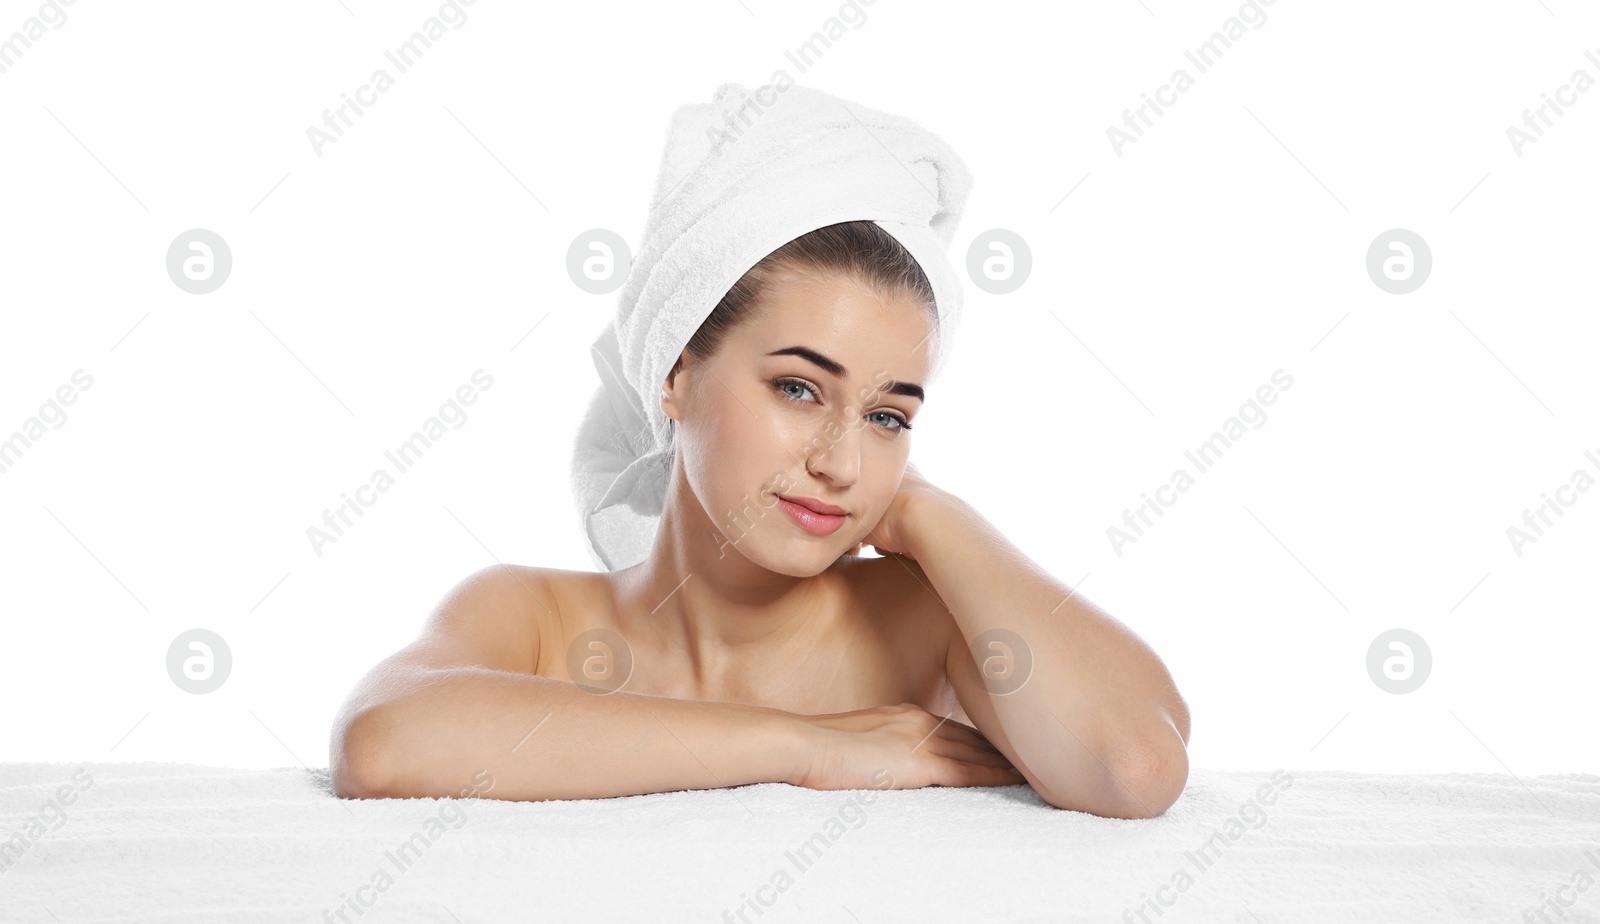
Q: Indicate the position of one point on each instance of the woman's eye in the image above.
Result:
(785, 384)
(885, 419)
(891, 421)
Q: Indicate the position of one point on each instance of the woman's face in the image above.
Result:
(750, 418)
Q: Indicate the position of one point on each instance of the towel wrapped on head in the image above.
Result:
(740, 177)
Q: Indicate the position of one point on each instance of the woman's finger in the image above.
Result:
(961, 750)
(957, 731)
(958, 773)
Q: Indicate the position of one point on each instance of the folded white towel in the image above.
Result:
(184, 844)
(740, 177)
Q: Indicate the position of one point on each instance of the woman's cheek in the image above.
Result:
(738, 459)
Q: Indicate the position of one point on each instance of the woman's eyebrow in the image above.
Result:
(835, 369)
(814, 358)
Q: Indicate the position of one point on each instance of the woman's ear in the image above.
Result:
(675, 389)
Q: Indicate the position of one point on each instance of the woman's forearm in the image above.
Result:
(541, 738)
(1098, 724)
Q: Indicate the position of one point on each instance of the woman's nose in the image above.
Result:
(839, 459)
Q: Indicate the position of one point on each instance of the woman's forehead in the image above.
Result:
(860, 328)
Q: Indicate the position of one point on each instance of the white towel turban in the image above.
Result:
(742, 176)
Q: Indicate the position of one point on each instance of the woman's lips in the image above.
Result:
(817, 524)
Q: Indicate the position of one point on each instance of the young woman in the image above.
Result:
(754, 643)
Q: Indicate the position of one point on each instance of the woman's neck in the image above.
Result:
(697, 600)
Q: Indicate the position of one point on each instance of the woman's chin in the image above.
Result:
(799, 559)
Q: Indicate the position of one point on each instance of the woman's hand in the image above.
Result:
(862, 749)
(891, 533)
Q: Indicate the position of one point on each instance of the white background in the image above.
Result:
(368, 284)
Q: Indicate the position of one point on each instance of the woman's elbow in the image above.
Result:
(1139, 780)
(1151, 771)
(357, 762)
(1151, 777)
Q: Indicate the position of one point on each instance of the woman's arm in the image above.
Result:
(542, 738)
(463, 700)
(1097, 724)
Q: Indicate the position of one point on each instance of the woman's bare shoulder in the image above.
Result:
(573, 601)
(501, 616)
(576, 591)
